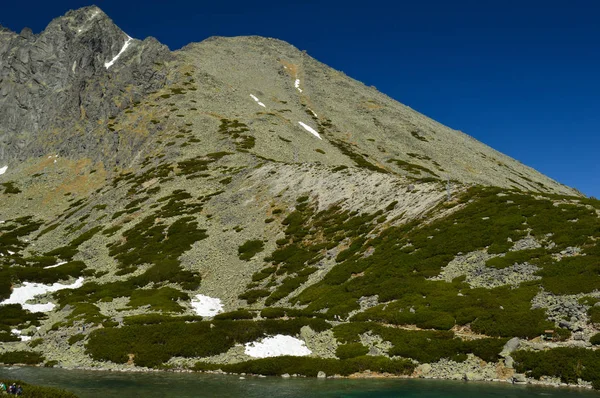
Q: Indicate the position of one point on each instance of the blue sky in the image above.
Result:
(520, 76)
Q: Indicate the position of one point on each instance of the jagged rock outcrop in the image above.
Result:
(55, 86)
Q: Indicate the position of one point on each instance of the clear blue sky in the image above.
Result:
(521, 76)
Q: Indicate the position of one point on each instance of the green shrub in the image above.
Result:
(250, 248)
(163, 299)
(594, 314)
(311, 366)
(570, 364)
(154, 344)
(351, 350)
(76, 338)
(423, 346)
(238, 314)
(21, 357)
(595, 339)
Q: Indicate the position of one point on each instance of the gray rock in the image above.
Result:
(509, 361)
(321, 375)
(285, 375)
(519, 378)
(511, 346)
(58, 80)
(471, 376)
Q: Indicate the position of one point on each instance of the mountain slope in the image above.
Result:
(187, 204)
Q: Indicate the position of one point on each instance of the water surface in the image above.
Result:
(89, 384)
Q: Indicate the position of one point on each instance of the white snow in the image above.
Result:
(206, 306)
(17, 332)
(276, 346)
(310, 130)
(3, 170)
(257, 100)
(297, 85)
(21, 295)
(313, 112)
(55, 265)
(112, 61)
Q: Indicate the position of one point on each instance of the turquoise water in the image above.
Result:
(182, 385)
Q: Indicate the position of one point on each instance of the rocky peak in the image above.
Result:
(59, 79)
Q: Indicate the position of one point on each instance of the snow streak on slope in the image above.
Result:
(310, 130)
(257, 100)
(112, 61)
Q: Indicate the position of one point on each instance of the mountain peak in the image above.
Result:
(58, 78)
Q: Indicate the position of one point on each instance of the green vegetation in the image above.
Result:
(10, 188)
(357, 158)
(351, 350)
(419, 136)
(307, 236)
(21, 358)
(423, 346)
(411, 167)
(236, 131)
(76, 338)
(34, 391)
(311, 366)
(569, 364)
(250, 248)
(517, 257)
(154, 344)
(163, 299)
(400, 277)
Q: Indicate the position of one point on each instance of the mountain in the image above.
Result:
(238, 205)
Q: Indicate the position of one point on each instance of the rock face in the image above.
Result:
(55, 86)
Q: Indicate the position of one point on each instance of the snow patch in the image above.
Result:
(17, 332)
(297, 85)
(55, 265)
(112, 61)
(310, 130)
(3, 170)
(21, 295)
(206, 306)
(257, 100)
(313, 112)
(276, 346)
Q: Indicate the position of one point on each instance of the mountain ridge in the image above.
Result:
(179, 207)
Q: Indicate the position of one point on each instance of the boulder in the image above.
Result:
(511, 346)
(519, 378)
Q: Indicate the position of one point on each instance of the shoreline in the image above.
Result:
(367, 375)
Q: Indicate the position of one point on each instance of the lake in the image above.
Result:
(91, 384)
